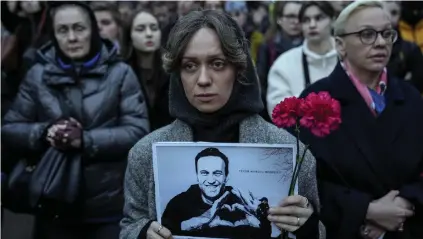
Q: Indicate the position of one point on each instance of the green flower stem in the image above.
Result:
(299, 162)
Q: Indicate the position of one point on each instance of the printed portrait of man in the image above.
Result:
(211, 208)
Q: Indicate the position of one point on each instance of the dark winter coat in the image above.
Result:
(108, 102)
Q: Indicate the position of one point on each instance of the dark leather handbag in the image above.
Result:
(47, 186)
(15, 191)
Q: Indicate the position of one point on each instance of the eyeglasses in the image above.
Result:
(369, 36)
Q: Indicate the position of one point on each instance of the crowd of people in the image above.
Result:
(104, 80)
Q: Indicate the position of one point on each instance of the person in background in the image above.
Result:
(182, 8)
(213, 5)
(284, 33)
(411, 23)
(258, 20)
(406, 59)
(109, 23)
(145, 59)
(370, 171)
(316, 58)
(79, 73)
(185, 6)
(339, 5)
(126, 9)
(215, 96)
(239, 12)
(162, 12)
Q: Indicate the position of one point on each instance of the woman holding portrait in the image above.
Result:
(370, 170)
(215, 97)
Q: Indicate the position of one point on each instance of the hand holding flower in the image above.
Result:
(291, 214)
(319, 113)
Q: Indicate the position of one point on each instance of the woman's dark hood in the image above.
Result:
(244, 101)
(96, 41)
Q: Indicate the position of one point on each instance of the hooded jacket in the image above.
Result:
(105, 97)
(286, 76)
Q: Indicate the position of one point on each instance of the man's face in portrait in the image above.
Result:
(211, 176)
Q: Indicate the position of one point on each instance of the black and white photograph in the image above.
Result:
(209, 190)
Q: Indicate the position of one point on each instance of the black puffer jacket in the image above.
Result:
(106, 99)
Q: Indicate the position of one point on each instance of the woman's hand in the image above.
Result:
(52, 132)
(65, 134)
(291, 213)
(386, 213)
(157, 231)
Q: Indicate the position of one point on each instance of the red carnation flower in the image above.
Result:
(286, 113)
(322, 114)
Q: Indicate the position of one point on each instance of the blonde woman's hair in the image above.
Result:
(341, 21)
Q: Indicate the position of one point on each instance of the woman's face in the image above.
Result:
(145, 33)
(206, 74)
(358, 48)
(289, 19)
(107, 26)
(316, 25)
(72, 29)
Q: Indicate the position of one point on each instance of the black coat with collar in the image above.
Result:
(368, 156)
(106, 99)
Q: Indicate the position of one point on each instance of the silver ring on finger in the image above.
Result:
(298, 221)
(160, 228)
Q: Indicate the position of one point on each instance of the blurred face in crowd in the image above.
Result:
(213, 5)
(367, 50)
(107, 25)
(145, 33)
(288, 20)
(394, 11)
(30, 7)
(125, 10)
(316, 25)
(258, 15)
(185, 7)
(72, 29)
(162, 14)
(239, 17)
(211, 176)
(206, 75)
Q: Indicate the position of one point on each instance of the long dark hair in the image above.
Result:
(131, 57)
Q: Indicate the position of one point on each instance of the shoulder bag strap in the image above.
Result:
(306, 71)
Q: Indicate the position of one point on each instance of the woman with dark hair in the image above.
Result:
(80, 99)
(215, 97)
(109, 23)
(295, 69)
(145, 59)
